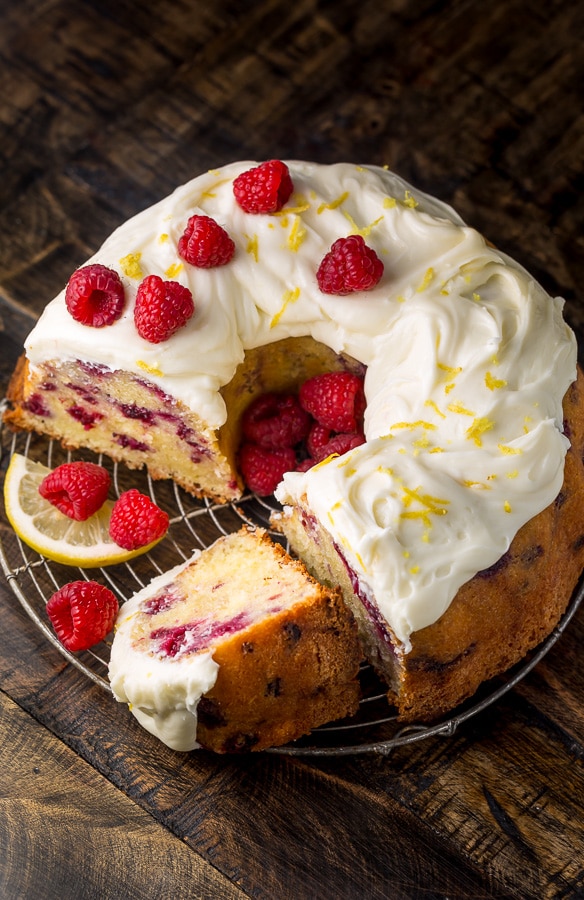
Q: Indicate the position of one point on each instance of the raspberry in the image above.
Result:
(265, 188)
(274, 421)
(318, 436)
(340, 443)
(350, 265)
(136, 521)
(205, 244)
(335, 399)
(82, 614)
(263, 469)
(77, 489)
(95, 295)
(162, 307)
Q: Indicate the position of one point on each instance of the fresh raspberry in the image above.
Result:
(82, 614)
(77, 489)
(340, 443)
(205, 244)
(162, 307)
(274, 421)
(136, 521)
(318, 436)
(350, 265)
(335, 399)
(305, 464)
(262, 469)
(95, 295)
(265, 188)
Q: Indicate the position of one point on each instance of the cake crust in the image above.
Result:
(280, 679)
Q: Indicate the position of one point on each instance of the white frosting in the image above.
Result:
(162, 692)
(468, 361)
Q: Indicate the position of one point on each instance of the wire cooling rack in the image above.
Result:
(195, 524)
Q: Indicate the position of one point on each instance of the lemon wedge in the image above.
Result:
(50, 532)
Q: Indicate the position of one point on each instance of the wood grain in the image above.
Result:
(104, 108)
(67, 832)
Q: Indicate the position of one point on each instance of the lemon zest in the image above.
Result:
(509, 451)
(289, 297)
(130, 265)
(334, 204)
(480, 425)
(301, 205)
(252, 246)
(174, 269)
(457, 407)
(420, 423)
(366, 230)
(422, 442)
(152, 370)
(436, 408)
(493, 383)
(450, 371)
(296, 236)
(426, 280)
(324, 461)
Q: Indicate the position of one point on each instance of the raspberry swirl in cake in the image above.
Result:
(467, 361)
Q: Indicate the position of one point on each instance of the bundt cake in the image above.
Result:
(452, 529)
(237, 649)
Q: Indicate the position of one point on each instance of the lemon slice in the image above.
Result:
(50, 532)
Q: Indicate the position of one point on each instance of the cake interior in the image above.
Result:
(131, 420)
(235, 584)
(315, 546)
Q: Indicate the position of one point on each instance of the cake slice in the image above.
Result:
(237, 649)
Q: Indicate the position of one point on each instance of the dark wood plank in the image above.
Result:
(68, 834)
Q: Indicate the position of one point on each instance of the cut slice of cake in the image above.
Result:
(237, 649)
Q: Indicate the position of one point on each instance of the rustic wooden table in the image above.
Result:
(106, 106)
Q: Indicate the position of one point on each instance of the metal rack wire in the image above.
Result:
(196, 524)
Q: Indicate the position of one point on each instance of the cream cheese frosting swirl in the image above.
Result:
(467, 357)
